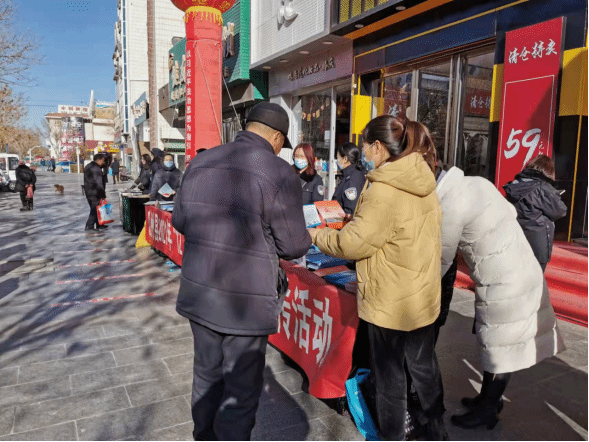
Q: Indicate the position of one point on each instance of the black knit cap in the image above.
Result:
(272, 115)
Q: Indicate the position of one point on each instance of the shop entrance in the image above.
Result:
(452, 97)
(322, 119)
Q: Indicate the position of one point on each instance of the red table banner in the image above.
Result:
(161, 235)
(317, 329)
(533, 58)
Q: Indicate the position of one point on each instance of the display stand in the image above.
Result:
(318, 323)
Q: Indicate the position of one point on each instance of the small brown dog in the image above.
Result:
(59, 189)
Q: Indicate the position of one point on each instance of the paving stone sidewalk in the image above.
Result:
(76, 364)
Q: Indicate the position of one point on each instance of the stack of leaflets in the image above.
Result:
(312, 218)
(341, 279)
(321, 261)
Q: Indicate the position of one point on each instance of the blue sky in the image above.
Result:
(77, 38)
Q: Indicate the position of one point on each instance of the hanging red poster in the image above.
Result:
(161, 235)
(533, 58)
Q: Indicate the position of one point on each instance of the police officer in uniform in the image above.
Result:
(350, 187)
(311, 181)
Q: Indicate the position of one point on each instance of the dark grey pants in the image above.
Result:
(227, 383)
(390, 350)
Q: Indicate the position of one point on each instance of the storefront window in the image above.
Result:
(432, 107)
(393, 96)
(473, 139)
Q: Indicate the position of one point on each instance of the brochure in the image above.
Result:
(165, 190)
(312, 218)
(332, 213)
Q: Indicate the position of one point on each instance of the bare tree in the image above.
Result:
(12, 111)
(52, 131)
(22, 140)
(19, 49)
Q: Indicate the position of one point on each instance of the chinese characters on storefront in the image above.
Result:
(308, 70)
(530, 86)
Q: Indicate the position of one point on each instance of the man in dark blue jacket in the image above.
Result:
(240, 210)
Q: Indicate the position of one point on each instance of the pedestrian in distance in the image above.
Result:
(538, 205)
(515, 324)
(143, 181)
(311, 181)
(115, 167)
(52, 164)
(398, 216)
(94, 190)
(25, 177)
(106, 167)
(168, 174)
(240, 210)
(349, 162)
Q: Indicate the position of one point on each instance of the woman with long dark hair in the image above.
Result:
(538, 205)
(311, 181)
(394, 237)
(349, 161)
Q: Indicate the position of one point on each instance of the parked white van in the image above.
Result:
(8, 165)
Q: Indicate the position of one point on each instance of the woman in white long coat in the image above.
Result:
(514, 322)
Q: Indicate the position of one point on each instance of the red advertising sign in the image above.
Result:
(533, 57)
(161, 235)
(478, 102)
(317, 329)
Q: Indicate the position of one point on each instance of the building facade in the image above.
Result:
(442, 63)
(309, 74)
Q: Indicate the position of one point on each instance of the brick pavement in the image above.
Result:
(121, 369)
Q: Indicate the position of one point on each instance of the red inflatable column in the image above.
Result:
(204, 63)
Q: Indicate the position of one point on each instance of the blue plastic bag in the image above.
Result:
(358, 407)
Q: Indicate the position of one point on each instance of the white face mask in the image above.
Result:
(300, 163)
(168, 164)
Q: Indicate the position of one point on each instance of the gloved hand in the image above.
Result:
(133, 186)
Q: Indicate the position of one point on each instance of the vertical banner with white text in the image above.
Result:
(533, 59)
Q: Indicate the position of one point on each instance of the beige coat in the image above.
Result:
(395, 239)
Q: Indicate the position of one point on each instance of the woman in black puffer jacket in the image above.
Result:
(538, 205)
(143, 181)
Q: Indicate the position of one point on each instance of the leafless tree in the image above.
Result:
(22, 140)
(19, 48)
(52, 131)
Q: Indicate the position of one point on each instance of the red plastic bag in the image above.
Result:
(104, 211)
(30, 192)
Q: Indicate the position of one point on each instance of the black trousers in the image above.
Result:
(93, 217)
(390, 351)
(23, 198)
(227, 383)
(115, 178)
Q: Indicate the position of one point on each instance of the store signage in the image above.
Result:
(72, 133)
(140, 110)
(190, 135)
(478, 102)
(286, 12)
(314, 68)
(533, 58)
(177, 69)
(73, 110)
(229, 40)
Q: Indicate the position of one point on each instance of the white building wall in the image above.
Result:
(269, 39)
(103, 131)
(137, 68)
(169, 23)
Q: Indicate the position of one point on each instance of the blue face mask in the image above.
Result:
(368, 165)
(300, 164)
(168, 164)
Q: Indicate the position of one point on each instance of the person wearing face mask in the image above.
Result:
(168, 174)
(144, 179)
(348, 190)
(311, 181)
(395, 239)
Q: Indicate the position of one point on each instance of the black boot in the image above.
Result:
(474, 402)
(487, 405)
(30, 205)
(24, 209)
(483, 415)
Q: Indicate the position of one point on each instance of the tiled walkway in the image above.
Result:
(121, 368)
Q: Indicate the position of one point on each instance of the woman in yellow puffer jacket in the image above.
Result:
(395, 239)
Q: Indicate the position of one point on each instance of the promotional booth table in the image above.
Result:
(318, 323)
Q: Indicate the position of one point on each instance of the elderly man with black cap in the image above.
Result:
(240, 211)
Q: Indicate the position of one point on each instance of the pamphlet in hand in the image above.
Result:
(332, 213)
(165, 190)
(312, 218)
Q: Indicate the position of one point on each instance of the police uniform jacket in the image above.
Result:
(349, 189)
(313, 188)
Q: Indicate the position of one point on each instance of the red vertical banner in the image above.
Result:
(533, 59)
(204, 63)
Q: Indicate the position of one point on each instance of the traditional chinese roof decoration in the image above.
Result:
(220, 5)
